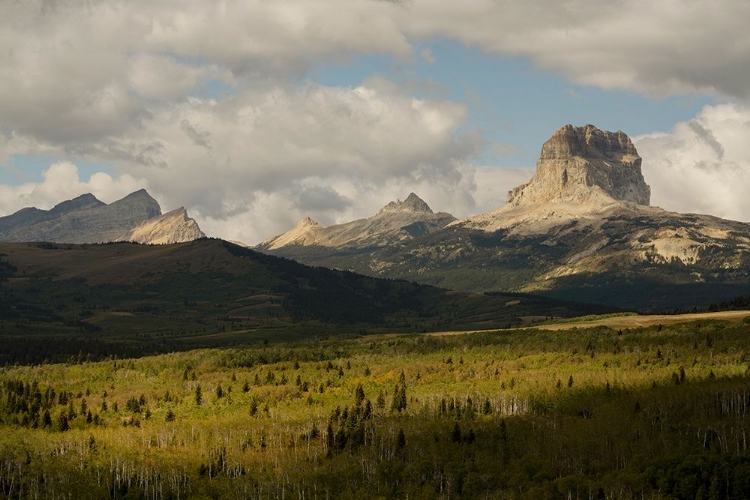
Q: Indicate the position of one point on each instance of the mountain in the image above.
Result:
(85, 219)
(395, 223)
(582, 228)
(172, 227)
(128, 299)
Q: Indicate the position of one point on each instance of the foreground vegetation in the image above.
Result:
(660, 412)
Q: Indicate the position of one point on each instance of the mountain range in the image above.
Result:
(137, 217)
(582, 228)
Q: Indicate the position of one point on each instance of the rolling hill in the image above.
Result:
(63, 300)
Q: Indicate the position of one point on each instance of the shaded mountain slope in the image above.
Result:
(124, 298)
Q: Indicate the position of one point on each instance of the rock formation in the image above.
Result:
(584, 165)
(581, 228)
(581, 173)
(412, 203)
(172, 227)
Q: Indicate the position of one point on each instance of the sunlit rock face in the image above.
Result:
(172, 227)
(585, 165)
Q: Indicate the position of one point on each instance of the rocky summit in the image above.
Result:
(581, 228)
(398, 221)
(85, 219)
(585, 165)
(172, 227)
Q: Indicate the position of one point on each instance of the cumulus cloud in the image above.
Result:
(76, 71)
(495, 183)
(130, 83)
(701, 166)
(215, 150)
(655, 47)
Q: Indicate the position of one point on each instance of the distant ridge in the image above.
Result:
(398, 221)
(85, 219)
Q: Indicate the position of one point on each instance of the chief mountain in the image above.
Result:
(582, 228)
(85, 219)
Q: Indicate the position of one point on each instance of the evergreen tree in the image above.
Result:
(62, 421)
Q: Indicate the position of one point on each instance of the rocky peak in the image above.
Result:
(585, 165)
(173, 227)
(138, 202)
(412, 203)
(307, 222)
(82, 202)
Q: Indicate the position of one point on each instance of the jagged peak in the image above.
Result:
(307, 222)
(412, 203)
(180, 213)
(139, 198)
(141, 193)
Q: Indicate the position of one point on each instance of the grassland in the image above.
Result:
(655, 411)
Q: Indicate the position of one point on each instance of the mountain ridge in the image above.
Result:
(582, 227)
(396, 222)
(85, 219)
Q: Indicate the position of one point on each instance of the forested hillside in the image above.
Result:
(92, 301)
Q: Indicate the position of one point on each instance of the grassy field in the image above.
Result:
(639, 321)
(655, 411)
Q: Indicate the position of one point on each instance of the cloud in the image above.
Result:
(61, 182)
(131, 84)
(495, 183)
(659, 48)
(427, 56)
(701, 166)
(213, 151)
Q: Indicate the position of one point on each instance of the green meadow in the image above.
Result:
(656, 412)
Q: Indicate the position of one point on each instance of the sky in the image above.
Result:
(252, 114)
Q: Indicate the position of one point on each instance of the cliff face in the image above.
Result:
(172, 227)
(585, 165)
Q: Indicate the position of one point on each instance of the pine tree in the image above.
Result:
(62, 422)
(401, 439)
(359, 395)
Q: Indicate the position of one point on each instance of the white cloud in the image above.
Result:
(218, 153)
(494, 184)
(427, 56)
(654, 47)
(75, 71)
(126, 82)
(701, 166)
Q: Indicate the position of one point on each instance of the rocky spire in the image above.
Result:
(585, 165)
(412, 203)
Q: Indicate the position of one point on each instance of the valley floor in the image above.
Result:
(656, 411)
